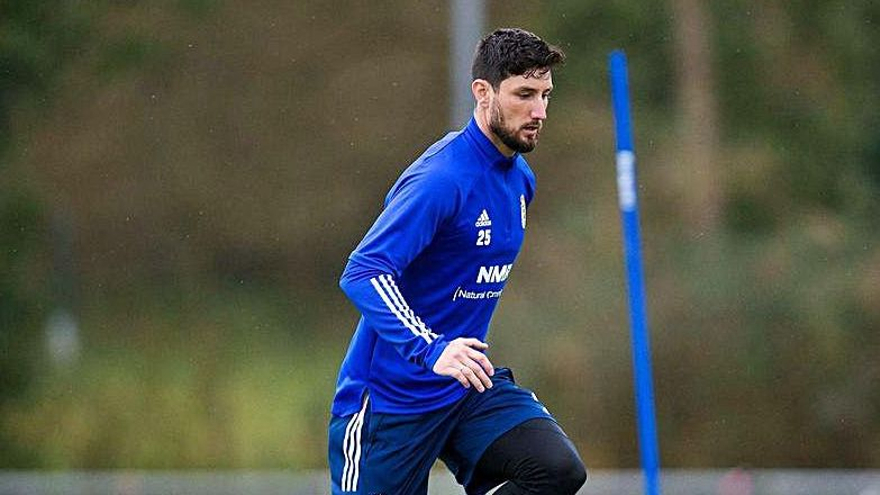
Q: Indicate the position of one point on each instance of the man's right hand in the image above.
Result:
(463, 360)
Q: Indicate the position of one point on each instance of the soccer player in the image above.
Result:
(416, 383)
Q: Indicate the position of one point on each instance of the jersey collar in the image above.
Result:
(488, 150)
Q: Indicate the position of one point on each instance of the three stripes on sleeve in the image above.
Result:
(391, 296)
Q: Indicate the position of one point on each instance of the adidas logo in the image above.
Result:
(483, 220)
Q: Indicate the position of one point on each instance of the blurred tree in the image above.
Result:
(37, 40)
(699, 175)
(22, 302)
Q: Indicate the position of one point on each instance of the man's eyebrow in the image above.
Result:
(531, 89)
(527, 89)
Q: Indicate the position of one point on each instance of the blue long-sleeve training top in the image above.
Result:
(430, 270)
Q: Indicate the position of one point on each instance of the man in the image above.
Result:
(416, 384)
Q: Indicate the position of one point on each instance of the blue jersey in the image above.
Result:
(430, 270)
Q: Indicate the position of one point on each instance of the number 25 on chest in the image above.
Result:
(484, 237)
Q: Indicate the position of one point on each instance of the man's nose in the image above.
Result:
(539, 111)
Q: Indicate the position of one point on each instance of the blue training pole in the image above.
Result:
(629, 212)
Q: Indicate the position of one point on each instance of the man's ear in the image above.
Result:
(482, 90)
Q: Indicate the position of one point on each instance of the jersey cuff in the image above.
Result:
(433, 355)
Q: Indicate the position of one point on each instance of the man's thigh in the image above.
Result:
(386, 454)
(485, 417)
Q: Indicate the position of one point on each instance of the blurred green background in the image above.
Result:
(182, 180)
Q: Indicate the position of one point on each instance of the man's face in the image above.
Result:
(518, 110)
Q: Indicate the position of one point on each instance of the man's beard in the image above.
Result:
(498, 126)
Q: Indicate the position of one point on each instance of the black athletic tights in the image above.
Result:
(534, 458)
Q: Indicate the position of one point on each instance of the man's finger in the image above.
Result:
(459, 375)
(480, 373)
(474, 343)
(472, 377)
(483, 360)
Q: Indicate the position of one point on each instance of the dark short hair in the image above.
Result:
(513, 52)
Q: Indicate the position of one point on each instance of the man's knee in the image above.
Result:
(536, 458)
(566, 472)
(551, 472)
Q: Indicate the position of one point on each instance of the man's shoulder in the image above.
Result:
(449, 161)
(449, 154)
(442, 148)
